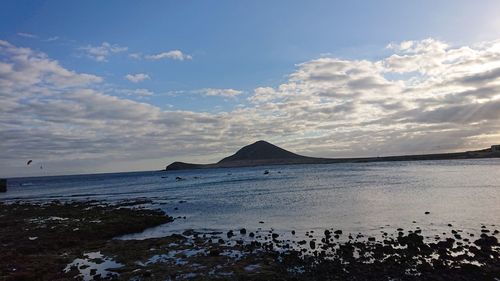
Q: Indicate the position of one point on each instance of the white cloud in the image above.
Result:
(27, 35)
(135, 55)
(208, 92)
(229, 93)
(24, 69)
(51, 39)
(138, 77)
(100, 53)
(263, 94)
(139, 92)
(445, 98)
(426, 96)
(174, 55)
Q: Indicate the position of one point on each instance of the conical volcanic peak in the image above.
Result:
(261, 150)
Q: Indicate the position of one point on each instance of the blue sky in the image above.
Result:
(234, 44)
(210, 57)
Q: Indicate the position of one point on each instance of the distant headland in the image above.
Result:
(264, 153)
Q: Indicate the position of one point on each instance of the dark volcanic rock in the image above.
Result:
(42, 259)
(486, 241)
(214, 253)
(3, 185)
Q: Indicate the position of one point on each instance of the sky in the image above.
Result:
(107, 86)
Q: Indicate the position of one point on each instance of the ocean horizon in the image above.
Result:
(355, 197)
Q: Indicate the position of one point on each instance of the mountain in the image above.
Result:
(255, 154)
(261, 150)
(264, 153)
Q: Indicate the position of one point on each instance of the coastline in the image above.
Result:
(59, 241)
(262, 153)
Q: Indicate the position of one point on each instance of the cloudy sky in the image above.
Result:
(102, 86)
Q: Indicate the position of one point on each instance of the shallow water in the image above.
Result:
(366, 197)
(93, 261)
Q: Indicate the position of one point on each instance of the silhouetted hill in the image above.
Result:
(183, 166)
(264, 153)
(261, 150)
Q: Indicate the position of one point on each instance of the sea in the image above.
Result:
(368, 198)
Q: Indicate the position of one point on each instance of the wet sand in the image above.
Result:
(74, 241)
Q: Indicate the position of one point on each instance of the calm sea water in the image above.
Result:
(363, 198)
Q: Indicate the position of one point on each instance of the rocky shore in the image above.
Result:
(37, 241)
(74, 241)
